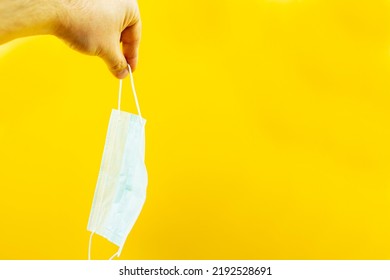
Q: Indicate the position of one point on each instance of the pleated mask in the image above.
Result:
(121, 186)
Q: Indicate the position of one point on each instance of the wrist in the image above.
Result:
(37, 17)
(27, 18)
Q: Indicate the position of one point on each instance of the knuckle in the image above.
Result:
(118, 66)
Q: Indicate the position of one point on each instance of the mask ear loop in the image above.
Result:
(113, 256)
(90, 245)
(134, 92)
(120, 95)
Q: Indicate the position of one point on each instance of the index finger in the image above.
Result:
(131, 38)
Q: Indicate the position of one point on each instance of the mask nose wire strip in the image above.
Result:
(134, 92)
(99, 217)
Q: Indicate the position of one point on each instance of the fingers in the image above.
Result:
(116, 61)
(131, 38)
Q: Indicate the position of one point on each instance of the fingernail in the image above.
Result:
(122, 74)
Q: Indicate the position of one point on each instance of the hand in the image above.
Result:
(96, 27)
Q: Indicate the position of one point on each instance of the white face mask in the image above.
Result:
(121, 187)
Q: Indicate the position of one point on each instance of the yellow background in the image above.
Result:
(267, 135)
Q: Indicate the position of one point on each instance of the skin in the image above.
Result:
(92, 27)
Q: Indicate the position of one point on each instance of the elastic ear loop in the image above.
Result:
(119, 108)
(134, 92)
(90, 246)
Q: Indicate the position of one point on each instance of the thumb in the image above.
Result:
(115, 61)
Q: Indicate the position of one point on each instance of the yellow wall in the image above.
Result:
(267, 136)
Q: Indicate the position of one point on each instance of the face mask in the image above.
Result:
(121, 187)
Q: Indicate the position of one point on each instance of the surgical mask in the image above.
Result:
(121, 187)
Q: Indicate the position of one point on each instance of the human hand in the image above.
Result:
(96, 27)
